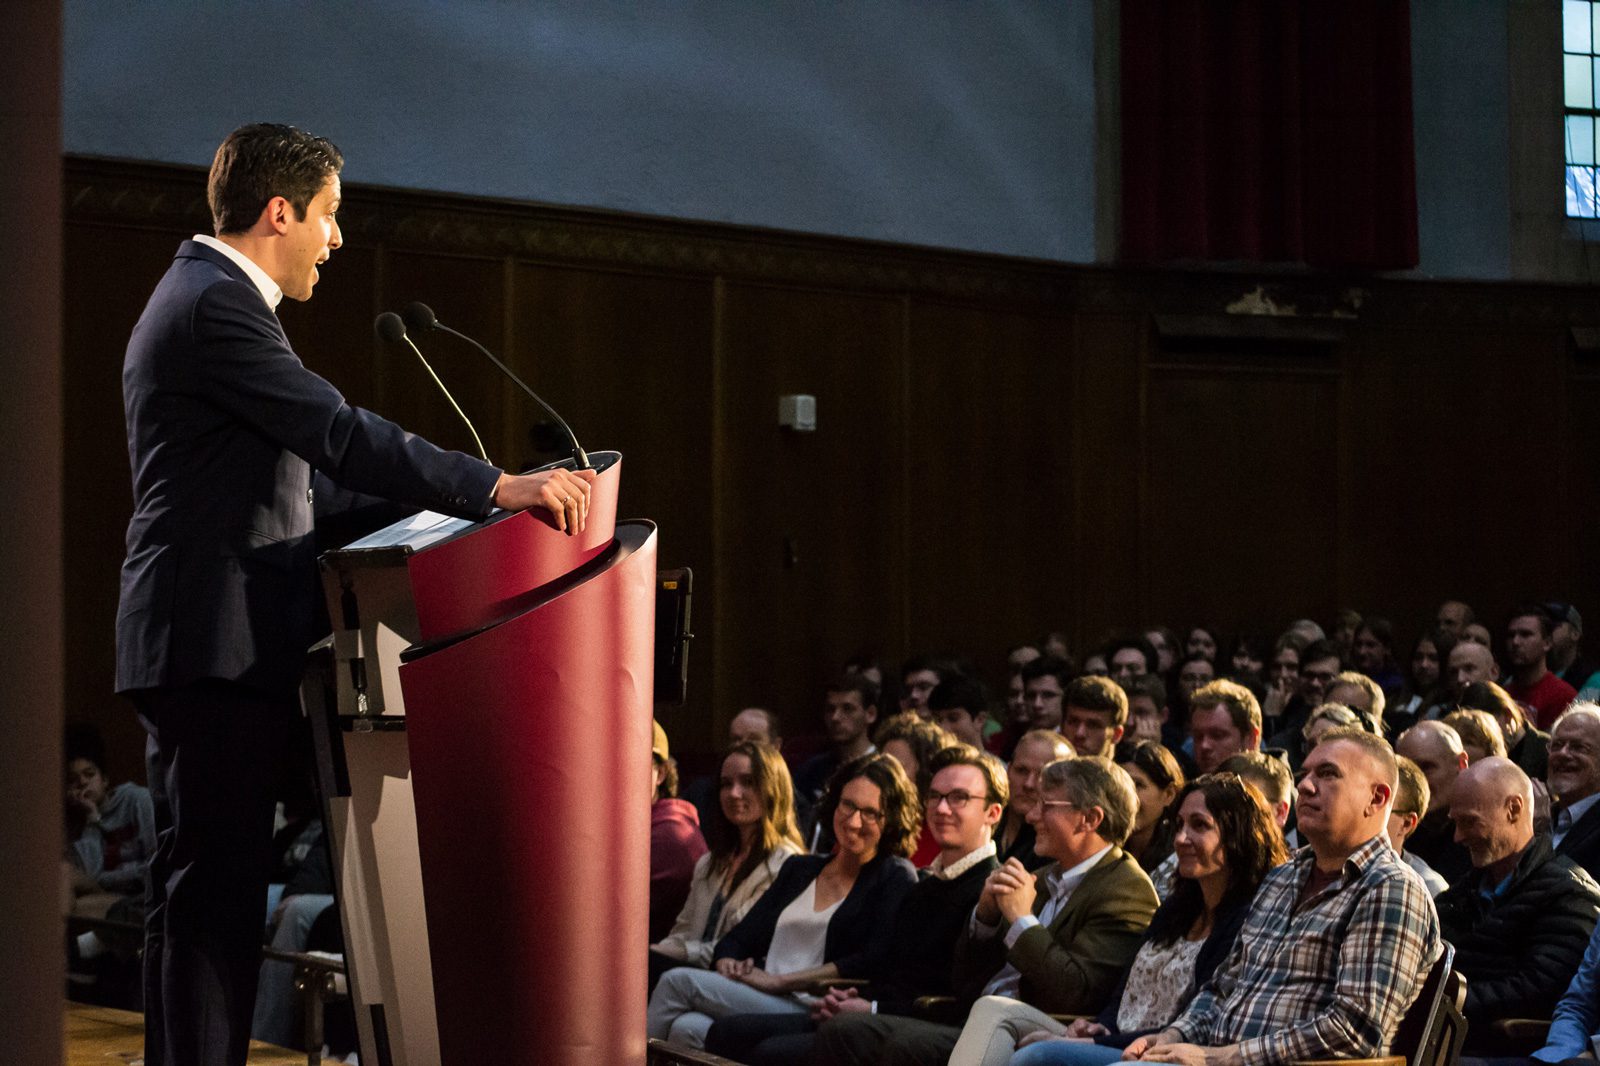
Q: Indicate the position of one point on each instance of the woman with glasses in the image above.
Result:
(1226, 842)
(824, 916)
(751, 832)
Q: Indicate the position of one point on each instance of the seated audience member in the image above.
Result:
(1372, 653)
(1361, 694)
(1055, 643)
(1342, 631)
(304, 898)
(1094, 665)
(1575, 1029)
(1453, 617)
(1271, 777)
(1479, 732)
(1226, 844)
(1021, 655)
(1157, 780)
(919, 676)
(1130, 657)
(850, 711)
(755, 724)
(1247, 659)
(1196, 672)
(751, 833)
(1306, 630)
(1410, 804)
(824, 916)
(913, 742)
(1148, 714)
(963, 806)
(1338, 940)
(1528, 641)
(1567, 659)
(1520, 919)
(1224, 719)
(675, 840)
(1283, 679)
(1201, 641)
(1477, 633)
(1035, 751)
(111, 831)
(1094, 715)
(1057, 941)
(1424, 687)
(1526, 746)
(1328, 717)
(1437, 751)
(1574, 781)
(960, 706)
(1165, 643)
(1044, 682)
(1320, 663)
(1469, 662)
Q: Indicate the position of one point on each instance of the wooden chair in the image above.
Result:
(1432, 1031)
(661, 1053)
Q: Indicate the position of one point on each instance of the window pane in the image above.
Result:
(1596, 37)
(1575, 26)
(1580, 139)
(1580, 84)
(1580, 192)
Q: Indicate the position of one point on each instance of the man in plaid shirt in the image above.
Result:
(1337, 943)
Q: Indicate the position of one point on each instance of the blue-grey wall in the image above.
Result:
(963, 125)
(1462, 126)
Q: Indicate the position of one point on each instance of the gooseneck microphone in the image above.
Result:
(390, 327)
(420, 317)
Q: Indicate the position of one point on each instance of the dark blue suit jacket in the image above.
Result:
(225, 426)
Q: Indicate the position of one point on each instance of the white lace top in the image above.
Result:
(1156, 984)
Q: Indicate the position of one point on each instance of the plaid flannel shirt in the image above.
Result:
(1331, 981)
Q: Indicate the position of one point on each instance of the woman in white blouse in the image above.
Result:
(751, 832)
(1226, 842)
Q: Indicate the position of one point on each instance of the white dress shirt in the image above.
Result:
(268, 288)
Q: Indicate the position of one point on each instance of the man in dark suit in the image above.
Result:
(1573, 775)
(225, 426)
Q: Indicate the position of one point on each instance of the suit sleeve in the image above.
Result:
(1073, 968)
(249, 370)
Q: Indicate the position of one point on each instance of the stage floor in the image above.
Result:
(101, 1036)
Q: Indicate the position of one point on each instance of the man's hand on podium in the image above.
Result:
(564, 493)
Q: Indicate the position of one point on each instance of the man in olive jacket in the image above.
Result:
(1521, 918)
(1057, 939)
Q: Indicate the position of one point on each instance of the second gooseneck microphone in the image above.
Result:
(390, 327)
(420, 317)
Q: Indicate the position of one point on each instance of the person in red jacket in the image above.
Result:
(675, 840)
(1529, 636)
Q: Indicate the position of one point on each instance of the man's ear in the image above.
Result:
(1514, 808)
(1115, 735)
(1381, 794)
(278, 213)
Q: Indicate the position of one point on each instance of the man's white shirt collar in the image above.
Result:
(268, 288)
(961, 865)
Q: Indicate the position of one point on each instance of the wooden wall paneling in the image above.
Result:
(468, 294)
(332, 331)
(813, 571)
(626, 358)
(989, 557)
(1102, 424)
(1242, 476)
(1583, 492)
(107, 275)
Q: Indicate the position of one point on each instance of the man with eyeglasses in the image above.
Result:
(1320, 663)
(1574, 780)
(963, 805)
(1055, 941)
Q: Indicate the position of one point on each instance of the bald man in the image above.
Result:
(1439, 754)
(1469, 662)
(1520, 920)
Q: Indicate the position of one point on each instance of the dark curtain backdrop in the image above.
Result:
(1268, 130)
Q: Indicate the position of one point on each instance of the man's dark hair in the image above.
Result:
(1059, 669)
(1149, 685)
(1152, 661)
(1380, 628)
(263, 160)
(860, 684)
(1547, 625)
(1094, 693)
(959, 691)
(1318, 650)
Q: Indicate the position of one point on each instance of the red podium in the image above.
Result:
(482, 716)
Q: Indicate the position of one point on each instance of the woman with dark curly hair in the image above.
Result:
(1226, 842)
(913, 743)
(824, 916)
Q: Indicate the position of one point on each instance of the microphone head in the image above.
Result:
(419, 316)
(389, 327)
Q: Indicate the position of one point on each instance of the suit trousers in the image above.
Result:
(994, 1026)
(687, 1000)
(214, 754)
(883, 1040)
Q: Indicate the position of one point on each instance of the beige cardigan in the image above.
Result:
(684, 941)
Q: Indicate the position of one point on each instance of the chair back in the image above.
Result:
(1432, 1031)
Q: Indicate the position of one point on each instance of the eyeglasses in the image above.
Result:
(956, 800)
(869, 815)
(1057, 803)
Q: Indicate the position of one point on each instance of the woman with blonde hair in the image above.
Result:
(751, 832)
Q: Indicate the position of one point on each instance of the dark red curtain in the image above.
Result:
(1268, 130)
